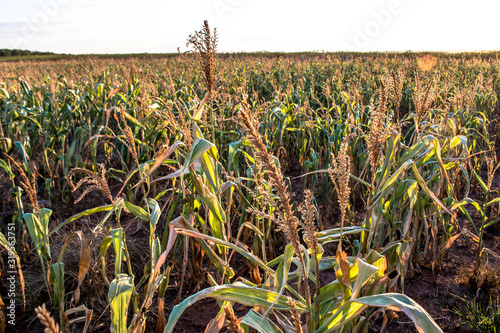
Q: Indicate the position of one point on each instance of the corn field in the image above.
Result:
(301, 192)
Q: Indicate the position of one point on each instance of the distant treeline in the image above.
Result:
(346, 55)
(21, 53)
(26, 55)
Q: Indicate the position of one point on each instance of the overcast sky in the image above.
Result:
(158, 26)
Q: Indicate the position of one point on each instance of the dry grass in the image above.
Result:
(294, 313)
(46, 320)
(287, 221)
(28, 183)
(204, 43)
(492, 166)
(398, 80)
(308, 212)
(130, 141)
(92, 181)
(378, 130)
(423, 98)
(340, 175)
(233, 324)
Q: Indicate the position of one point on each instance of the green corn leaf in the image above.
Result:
(209, 168)
(412, 192)
(160, 160)
(387, 187)
(347, 312)
(392, 147)
(155, 212)
(197, 114)
(237, 292)
(493, 222)
(481, 182)
(238, 249)
(105, 244)
(333, 235)
(132, 119)
(423, 144)
(120, 292)
(200, 147)
(259, 323)
(427, 191)
(24, 155)
(218, 218)
(56, 278)
(137, 211)
(399, 302)
(38, 230)
(492, 202)
(365, 272)
(283, 270)
(181, 222)
(87, 212)
(396, 302)
(327, 171)
(7, 169)
(117, 237)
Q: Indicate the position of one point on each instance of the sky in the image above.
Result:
(161, 26)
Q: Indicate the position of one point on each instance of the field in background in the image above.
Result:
(132, 183)
(41, 56)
